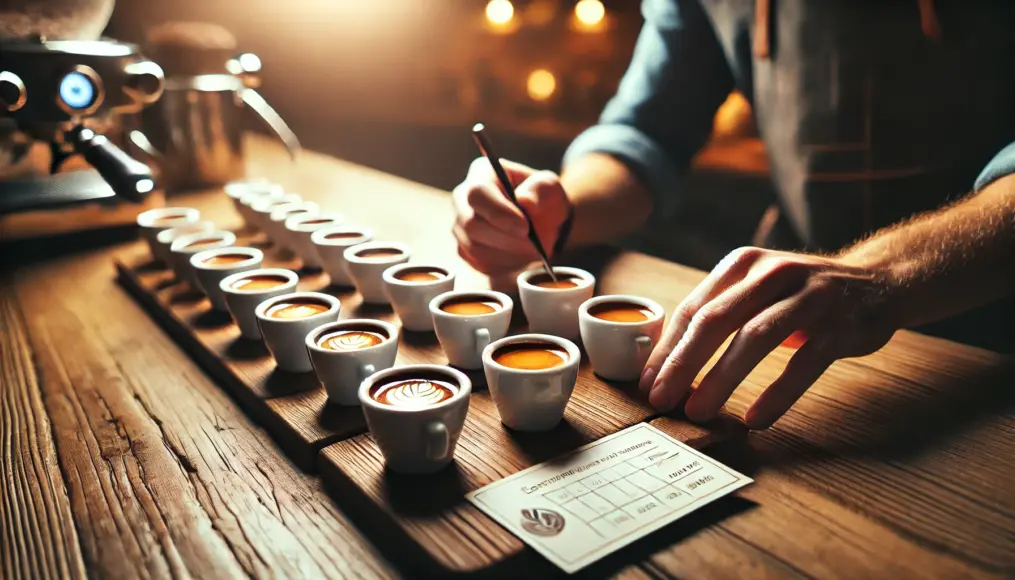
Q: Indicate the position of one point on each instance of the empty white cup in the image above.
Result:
(156, 220)
(255, 192)
(342, 371)
(241, 302)
(276, 224)
(618, 351)
(411, 298)
(261, 209)
(463, 337)
(531, 399)
(300, 227)
(165, 238)
(286, 337)
(367, 268)
(417, 439)
(210, 274)
(554, 310)
(184, 247)
(331, 243)
(237, 189)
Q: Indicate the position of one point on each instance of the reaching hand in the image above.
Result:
(492, 234)
(766, 296)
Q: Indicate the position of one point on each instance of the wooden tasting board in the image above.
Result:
(426, 517)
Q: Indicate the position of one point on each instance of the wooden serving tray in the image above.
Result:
(425, 518)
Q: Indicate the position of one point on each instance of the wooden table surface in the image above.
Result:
(120, 458)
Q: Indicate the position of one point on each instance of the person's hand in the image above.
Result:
(765, 297)
(492, 234)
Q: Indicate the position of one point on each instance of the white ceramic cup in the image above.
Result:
(156, 220)
(555, 311)
(367, 271)
(255, 192)
(300, 227)
(242, 303)
(276, 224)
(261, 209)
(531, 400)
(209, 276)
(286, 337)
(463, 337)
(184, 247)
(165, 238)
(411, 299)
(618, 351)
(331, 243)
(342, 371)
(237, 189)
(417, 439)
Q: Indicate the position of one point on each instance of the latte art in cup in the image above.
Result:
(621, 312)
(226, 259)
(297, 308)
(469, 305)
(254, 283)
(351, 339)
(379, 253)
(531, 355)
(563, 282)
(420, 275)
(413, 393)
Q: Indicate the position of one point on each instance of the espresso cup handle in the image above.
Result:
(643, 343)
(436, 441)
(366, 371)
(482, 339)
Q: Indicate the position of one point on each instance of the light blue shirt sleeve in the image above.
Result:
(662, 113)
(1002, 164)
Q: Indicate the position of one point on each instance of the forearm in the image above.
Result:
(944, 262)
(609, 200)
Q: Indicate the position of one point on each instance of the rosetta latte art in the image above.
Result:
(415, 393)
(352, 340)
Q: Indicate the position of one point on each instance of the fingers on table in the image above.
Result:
(804, 368)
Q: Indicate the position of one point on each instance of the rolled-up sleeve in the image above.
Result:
(662, 113)
(1002, 164)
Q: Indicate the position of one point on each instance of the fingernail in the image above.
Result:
(648, 377)
(695, 413)
(661, 398)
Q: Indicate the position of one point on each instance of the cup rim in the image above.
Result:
(226, 284)
(655, 307)
(226, 237)
(318, 236)
(586, 277)
(350, 253)
(249, 197)
(284, 212)
(187, 214)
(236, 189)
(573, 353)
(254, 256)
(206, 224)
(263, 204)
(464, 387)
(334, 305)
(439, 299)
(389, 275)
(295, 223)
(313, 335)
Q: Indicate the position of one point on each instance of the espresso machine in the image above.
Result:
(65, 108)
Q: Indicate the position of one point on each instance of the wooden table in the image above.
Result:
(120, 458)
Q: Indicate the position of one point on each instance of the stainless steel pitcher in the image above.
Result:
(195, 131)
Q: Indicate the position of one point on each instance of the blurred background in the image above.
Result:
(396, 85)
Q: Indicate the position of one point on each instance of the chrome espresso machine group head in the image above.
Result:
(67, 93)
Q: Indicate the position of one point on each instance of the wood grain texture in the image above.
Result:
(38, 539)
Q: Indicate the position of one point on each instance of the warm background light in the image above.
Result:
(589, 12)
(541, 85)
(500, 11)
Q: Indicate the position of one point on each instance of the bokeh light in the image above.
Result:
(541, 84)
(589, 12)
(500, 11)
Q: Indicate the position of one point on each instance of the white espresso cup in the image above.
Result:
(165, 238)
(366, 264)
(211, 266)
(553, 309)
(410, 288)
(261, 209)
(237, 189)
(276, 224)
(618, 350)
(184, 247)
(463, 336)
(531, 395)
(243, 297)
(286, 337)
(360, 348)
(300, 227)
(416, 438)
(159, 219)
(331, 243)
(257, 191)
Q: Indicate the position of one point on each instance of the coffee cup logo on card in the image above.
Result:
(542, 522)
